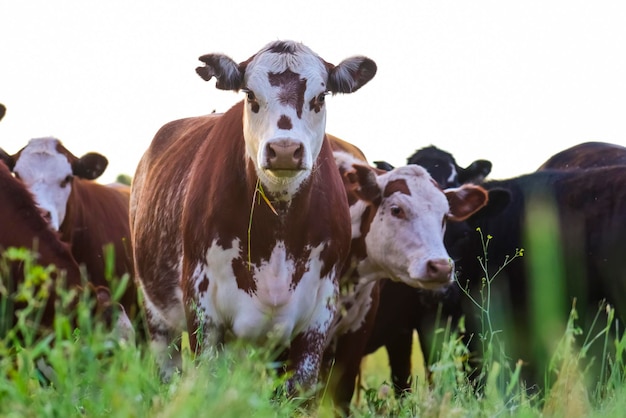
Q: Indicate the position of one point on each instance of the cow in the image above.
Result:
(586, 155)
(89, 216)
(240, 221)
(403, 310)
(23, 226)
(398, 224)
(586, 210)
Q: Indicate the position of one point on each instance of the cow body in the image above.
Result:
(590, 222)
(210, 252)
(398, 223)
(587, 155)
(89, 216)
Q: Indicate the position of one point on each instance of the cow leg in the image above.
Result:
(165, 339)
(305, 357)
(399, 352)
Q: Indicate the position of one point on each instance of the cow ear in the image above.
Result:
(475, 172)
(7, 159)
(3, 110)
(466, 200)
(228, 73)
(350, 75)
(367, 187)
(90, 166)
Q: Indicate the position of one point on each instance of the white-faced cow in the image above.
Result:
(587, 155)
(240, 220)
(23, 226)
(398, 223)
(88, 215)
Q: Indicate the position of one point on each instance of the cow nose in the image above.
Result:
(284, 155)
(439, 270)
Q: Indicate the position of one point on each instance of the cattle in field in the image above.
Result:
(398, 223)
(89, 216)
(587, 155)
(240, 220)
(586, 209)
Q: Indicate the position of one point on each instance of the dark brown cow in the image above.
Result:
(587, 155)
(240, 220)
(398, 224)
(88, 215)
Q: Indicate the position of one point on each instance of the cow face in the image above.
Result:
(285, 113)
(405, 236)
(48, 169)
(443, 168)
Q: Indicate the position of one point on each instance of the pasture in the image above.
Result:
(94, 376)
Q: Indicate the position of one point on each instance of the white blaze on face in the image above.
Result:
(278, 309)
(283, 105)
(47, 174)
(407, 231)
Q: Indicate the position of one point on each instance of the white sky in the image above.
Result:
(513, 82)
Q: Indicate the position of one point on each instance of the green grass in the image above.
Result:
(90, 374)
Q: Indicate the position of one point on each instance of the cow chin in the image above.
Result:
(427, 284)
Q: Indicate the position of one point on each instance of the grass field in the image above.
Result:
(86, 373)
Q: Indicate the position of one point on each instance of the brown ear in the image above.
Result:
(90, 166)
(228, 73)
(7, 159)
(367, 187)
(466, 200)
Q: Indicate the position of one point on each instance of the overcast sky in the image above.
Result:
(512, 82)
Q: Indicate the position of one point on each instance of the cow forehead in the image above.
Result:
(43, 157)
(278, 67)
(412, 184)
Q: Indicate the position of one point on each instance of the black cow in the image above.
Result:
(584, 212)
(587, 155)
(402, 309)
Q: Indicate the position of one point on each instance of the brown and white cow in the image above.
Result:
(398, 223)
(88, 215)
(22, 226)
(210, 252)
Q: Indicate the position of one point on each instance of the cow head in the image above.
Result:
(47, 168)
(285, 114)
(405, 213)
(445, 171)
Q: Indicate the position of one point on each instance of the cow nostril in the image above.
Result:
(438, 269)
(298, 153)
(271, 153)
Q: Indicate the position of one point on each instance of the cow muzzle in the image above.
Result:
(437, 274)
(284, 155)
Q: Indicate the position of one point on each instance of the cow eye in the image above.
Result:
(250, 95)
(397, 212)
(321, 97)
(67, 180)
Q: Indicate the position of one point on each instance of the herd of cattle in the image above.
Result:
(255, 224)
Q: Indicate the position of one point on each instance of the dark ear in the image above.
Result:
(367, 187)
(228, 73)
(90, 166)
(383, 165)
(350, 75)
(3, 110)
(475, 172)
(7, 159)
(465, 201)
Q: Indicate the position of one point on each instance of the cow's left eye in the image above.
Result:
(321, 97)
(397, 212)
(250, 95)
(67, 180)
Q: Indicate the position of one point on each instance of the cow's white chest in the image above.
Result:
(279, 308)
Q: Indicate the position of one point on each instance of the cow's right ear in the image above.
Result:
(227, 72)
(90, 166)
(7, 159)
